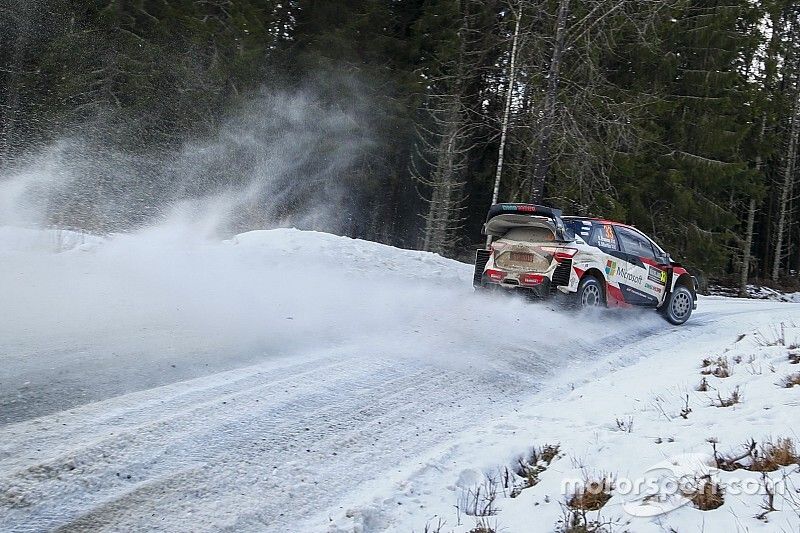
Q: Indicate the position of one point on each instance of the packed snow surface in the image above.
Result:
(295, 381)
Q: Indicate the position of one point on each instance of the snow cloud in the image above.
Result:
(281, 159)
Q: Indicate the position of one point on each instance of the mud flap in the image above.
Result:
(481, 258)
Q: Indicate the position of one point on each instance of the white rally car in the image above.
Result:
(593, 261)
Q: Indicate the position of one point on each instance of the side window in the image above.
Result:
(578, 227)
(635, 244)
(604, 237)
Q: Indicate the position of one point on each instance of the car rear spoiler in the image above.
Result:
(532, 210)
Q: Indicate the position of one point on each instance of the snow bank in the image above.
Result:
(760, 292)
(766, 293)
(53, 240)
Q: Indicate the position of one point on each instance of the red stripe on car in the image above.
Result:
(615, 298)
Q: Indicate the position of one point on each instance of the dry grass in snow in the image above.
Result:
(708, 496)
(791, 380)
(593, 495)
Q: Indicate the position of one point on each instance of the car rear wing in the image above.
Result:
(528, 211)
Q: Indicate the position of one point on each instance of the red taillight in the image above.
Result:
(496, 275)
(560, 254)
(531, 279)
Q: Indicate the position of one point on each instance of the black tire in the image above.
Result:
(590, 293)
(678, 307)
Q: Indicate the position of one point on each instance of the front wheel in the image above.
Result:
(678, 307)
(590, 293)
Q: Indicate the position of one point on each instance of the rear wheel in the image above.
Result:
(590, 293)
(678, 307)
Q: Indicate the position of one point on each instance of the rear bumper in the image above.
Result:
(541, 290)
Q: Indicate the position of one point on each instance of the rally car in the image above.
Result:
(590, 261)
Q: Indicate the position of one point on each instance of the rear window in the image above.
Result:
(529, 235)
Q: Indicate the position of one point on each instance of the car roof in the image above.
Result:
(614, 223)
(600, 220)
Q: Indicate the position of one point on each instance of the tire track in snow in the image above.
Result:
(241, 433)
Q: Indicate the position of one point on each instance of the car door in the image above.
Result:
(602, 236)
(638, 277)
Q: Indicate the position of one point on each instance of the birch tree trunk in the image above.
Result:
(751, 218)
(748, 244)
(786, 187)
(512, 72)
(542, 161)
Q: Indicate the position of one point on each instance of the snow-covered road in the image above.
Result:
(271, 382)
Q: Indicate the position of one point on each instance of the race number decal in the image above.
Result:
(606, 237)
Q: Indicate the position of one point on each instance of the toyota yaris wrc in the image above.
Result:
(594, 262)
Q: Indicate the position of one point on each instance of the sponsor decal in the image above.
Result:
(523, 208)
(635, 296)
(495, 275)
(606, 238)
(638, 293)
(657, 275)
(620, 272)
(615, 271)
(651, 287)
(532, 279)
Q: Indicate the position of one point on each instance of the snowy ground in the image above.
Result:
(297, 381)
(760, 292)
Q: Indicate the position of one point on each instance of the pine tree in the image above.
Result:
(685, 182)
